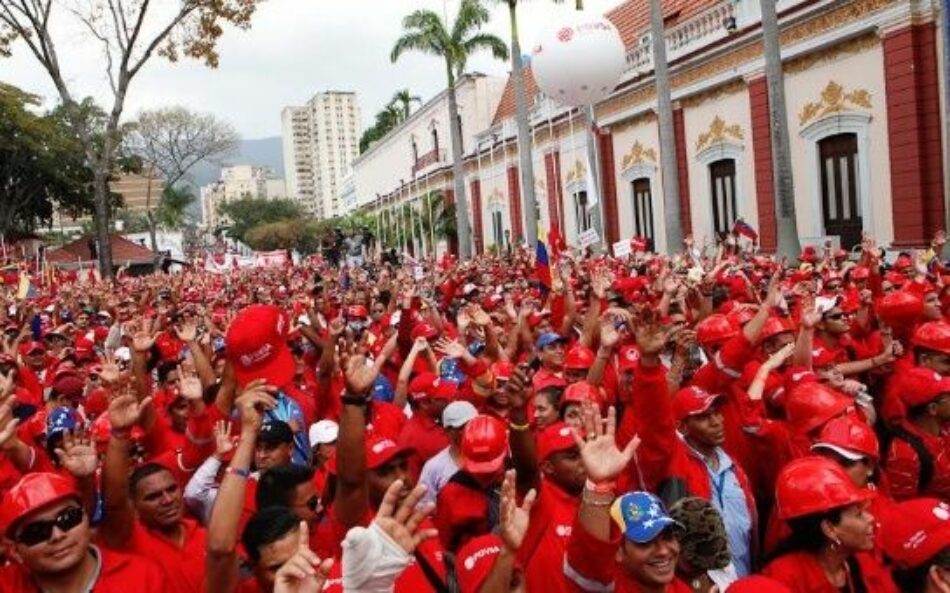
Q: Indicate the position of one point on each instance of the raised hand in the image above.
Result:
(358, 375)
(778, 358)
(518, 388)
(480, 317)
(600, 456)
(402, 523)
(224, 443)
(78, 454)
(420, 345)
(142, 341)
(251, 404)
(609, 336)
(187, 331)
(109, 371)
(514, 520)
(304, 572)
(8, 423)
(126, 410)
(651, 336)
(190, 388)
(451, 348)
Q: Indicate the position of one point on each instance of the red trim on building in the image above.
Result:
(514, 205)
(552, 171)
(914, 133)
(608, 184)
(477, 215)
(682, 168)
(762, 162)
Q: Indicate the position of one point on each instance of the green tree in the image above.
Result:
(41, 165)
(248, 212)
(173, 208)
(404, 100)
(426, 32)
(131, 32)
(281, 234)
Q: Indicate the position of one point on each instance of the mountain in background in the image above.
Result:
(262, 152)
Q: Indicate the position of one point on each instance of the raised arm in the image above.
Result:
(352, 492)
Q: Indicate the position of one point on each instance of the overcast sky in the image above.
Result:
(294, 49)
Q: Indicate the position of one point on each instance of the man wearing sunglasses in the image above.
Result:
(48, 532)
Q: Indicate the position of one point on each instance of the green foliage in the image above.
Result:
(173, 207)
(41, 165)
(247, 213)
(433, 217)
(394, 113)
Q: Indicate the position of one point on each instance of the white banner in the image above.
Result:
(270, 259)
(588, 238)
(622, 248)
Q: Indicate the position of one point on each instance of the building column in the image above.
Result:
(552, 172)
(682, 168)
(608, 184)
(762, 162)
(914, 133)
(514, 206)
(476, 191)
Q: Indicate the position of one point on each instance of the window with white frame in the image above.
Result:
(581, 215)
(722, 181)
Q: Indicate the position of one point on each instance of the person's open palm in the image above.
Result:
(78, 454)
(599, 453)
(401, 520)
(514, 519)
(126, 410)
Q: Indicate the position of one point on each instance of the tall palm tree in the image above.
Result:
(404, 100)
(174, 205)
(668, 169)
(785, 223)
(426, 32)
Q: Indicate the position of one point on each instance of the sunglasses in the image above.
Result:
(838, 316)
(38, 532)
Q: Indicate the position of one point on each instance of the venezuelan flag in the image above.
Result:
(542, 266)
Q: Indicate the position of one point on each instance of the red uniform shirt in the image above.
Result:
(902, 466)
(424, 438)
(801, 572)
(552, 521)
(183, 567)
(118, 573)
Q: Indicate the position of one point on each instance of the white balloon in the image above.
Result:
(579, 60)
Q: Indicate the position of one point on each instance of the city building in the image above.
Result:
(236, 182)
(138, 194)
(320, 143)
(866, 95)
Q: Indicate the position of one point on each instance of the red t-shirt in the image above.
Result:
(424, 438)
(183, 567)
(552, 520)
(118, 573)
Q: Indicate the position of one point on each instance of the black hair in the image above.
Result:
(914, 580)
(266, 527)
(142, 472)
(211, 393)
(276, 486)
(807, 535)
(164, 369)
(553, 395)
(919, 410)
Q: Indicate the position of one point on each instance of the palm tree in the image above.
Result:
(404, 100)
(425, 31)
(174, 204)
(786, 225)
(668, 169)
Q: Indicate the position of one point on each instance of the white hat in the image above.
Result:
(323, 432)
(457, 414)
(123, 353)
(846, 453)
(105, 314)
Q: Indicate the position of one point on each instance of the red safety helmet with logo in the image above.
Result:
(915, 531)
(33, 491)
(714, 330)
(424, 330)
(484, 445)
(357, 312)
(579, 357)
(919, 386)
(899, 308)
(693, 401)
(850, 438)
(812, 485)
(808, 406)
(933, 335)
(775, 326)
(257, 346)
(580, 392)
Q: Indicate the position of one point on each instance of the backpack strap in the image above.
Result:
(924, 457)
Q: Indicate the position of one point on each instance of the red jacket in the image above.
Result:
(902, 466)
(119, 573)
(801, 572)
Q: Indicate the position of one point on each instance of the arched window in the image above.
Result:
(642, 208)
(581, 215)
(838, 172)
(435, 140)
(722, 180)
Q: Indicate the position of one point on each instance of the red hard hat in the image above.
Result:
(860, 273)
(775, 326)
(740, 316)
(424, 330)
(358, 311)
(579, 357)
(812, 485)
(810, 405)
(933, 335)
(503, 370)
(484, 445)
(900, 308)
(714, 330)
(33, 491)
(580, 392)
(849, 437)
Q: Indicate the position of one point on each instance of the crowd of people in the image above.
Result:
(717, 420)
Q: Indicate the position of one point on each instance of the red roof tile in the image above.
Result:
(123, 251)
(632, 19)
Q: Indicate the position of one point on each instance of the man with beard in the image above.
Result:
(144, 510)
(50, 540)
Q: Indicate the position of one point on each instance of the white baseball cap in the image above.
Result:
(323, 432)
(457, 414)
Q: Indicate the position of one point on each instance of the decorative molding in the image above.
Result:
(718, 133)
(835, 52)
(714, 94)
(577, 173)
(637, 155)
(495, 198)
(834, 99)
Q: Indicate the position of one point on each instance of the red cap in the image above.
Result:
(35, 346)
(380, 449)
(484, 445)
(358, 311)
(693, 401)
(550, 381)
(915, 531)
(475, 560)
(502, 370)
(812, 485)
(579, 357)
(257, 346)
(168, 347)
(424, 330)
(555, 438)
(581, 392)
(860, 273)
(919, 386)
(32, 492)
(775, 326)
(430, 385)
(629, 358)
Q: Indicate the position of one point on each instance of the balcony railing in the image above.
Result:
(430, 158)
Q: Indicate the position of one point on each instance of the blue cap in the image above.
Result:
(549, 338)
(383, 389)
(641, 516)
(60, 420)
(449, 370)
